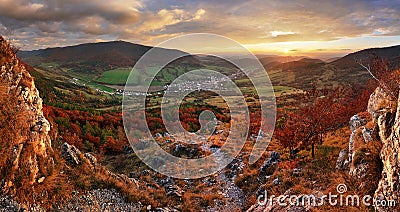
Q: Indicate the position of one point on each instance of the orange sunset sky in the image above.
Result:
(305, 27)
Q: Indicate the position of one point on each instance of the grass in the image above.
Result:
(99, 86)
(115, 76)
(278, 90)
(55, 88)
(317, 174)
(49, 65)
(119, 76)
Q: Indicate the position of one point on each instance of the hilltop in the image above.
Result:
(392, 54)
(89, 58)
(304, 72)
(39, 171)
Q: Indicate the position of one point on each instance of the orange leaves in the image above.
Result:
(79, 128)
(112, 146)
(288, 164)
(317, 112)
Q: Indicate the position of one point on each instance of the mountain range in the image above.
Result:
(105, 66)
(41, 169)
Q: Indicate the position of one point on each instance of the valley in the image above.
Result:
(199, 106)
(89, 78)
(82, 102)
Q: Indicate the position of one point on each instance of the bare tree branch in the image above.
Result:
(382, 83)
(8, 34)
(366, 67)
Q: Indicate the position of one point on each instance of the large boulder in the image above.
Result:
(380, 102)
(349, 158)
(27, 148)
(273, 159)
(71, 154)
(388, 190)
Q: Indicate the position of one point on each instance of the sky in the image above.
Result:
(303, 27)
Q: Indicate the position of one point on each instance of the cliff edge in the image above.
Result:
(25, 145)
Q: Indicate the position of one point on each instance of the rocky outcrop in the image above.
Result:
(359, 137)
(386, 112)
(171, 188)
(99, 200)
(273, 159)
(27, 158)
(74, 156)
(28, 149)
(380, 104)
(70, 153)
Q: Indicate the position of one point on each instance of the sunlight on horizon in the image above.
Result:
(338, 47)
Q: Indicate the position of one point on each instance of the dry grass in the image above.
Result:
(198, 201)
(318, 174)
(14, 131)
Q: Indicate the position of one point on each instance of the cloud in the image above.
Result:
(69, 10)
(279, 33)
(199, 14)
(90, 20)
(165, 18)
(66, 22)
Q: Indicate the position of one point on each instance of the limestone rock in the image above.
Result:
(356, 122)
(380, 102)
(273, 159)
(388, 188)
(385, 112)
(91, 158)
(342, 162)
(71, 154)
(31, 149)
(360, 135)
(41, 180)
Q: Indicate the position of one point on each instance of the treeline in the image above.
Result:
(188, 114)
(91, 131)
(103, 132)
(304, 122)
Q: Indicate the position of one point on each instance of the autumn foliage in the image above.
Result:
(304, 123)
(89, 131)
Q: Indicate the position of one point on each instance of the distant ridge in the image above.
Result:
(304, 72)
(90, 57)
(280, 59)
(392, 54)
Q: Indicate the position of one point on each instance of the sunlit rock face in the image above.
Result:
(26, 145)
(386, 113)
(353, 158)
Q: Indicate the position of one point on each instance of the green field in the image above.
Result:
(115, 76)
(120, 75)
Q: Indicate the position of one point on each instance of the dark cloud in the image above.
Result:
(69, 10)
(151, 21)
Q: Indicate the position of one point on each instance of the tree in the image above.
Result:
(380, 71)
(318, 112)
(9, 35)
